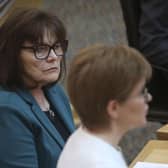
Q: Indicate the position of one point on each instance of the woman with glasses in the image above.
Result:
(106, 86)
(35, 116)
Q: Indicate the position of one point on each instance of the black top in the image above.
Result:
(58, 123)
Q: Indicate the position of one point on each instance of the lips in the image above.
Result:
(51, 69)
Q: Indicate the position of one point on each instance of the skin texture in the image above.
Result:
(40, 71)
(132, 113)
(126, 115)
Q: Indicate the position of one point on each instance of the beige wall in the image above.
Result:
(20, 3)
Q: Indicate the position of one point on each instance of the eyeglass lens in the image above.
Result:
(43, 51)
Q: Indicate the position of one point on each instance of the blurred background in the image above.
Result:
(88, 22)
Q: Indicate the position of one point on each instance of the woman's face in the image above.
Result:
(38, 71)
(133, 112)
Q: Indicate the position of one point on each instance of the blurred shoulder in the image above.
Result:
(9, 98)
(59, 91)
(58, 88)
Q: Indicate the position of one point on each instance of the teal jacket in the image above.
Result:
(27, 137)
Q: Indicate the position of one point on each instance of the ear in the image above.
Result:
(112, 107)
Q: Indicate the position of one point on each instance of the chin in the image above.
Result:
(48, 81)
(142, 124)
(52, 78)
(51, 81)
(139, 124)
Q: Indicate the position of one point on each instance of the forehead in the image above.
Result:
(49, 38)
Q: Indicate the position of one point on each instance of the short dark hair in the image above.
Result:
(101, 73)
(25, 25)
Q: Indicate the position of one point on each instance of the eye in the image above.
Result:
(57, 46)
(144, 91)
(41, 49)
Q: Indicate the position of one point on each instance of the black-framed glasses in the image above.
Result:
(42, 51)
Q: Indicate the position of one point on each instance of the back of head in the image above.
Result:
(28, 24)
(101, 73)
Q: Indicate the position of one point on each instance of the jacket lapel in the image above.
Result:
(61, 107)
(43, 119)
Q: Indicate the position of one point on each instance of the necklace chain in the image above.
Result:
(51, 113)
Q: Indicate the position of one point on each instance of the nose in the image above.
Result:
(53, 56)
(148, 97)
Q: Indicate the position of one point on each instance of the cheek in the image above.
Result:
(59, 61)
(137, 105)
(32, 67)
(133, 113)
(136, 110)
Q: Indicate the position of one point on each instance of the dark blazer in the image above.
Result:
(147, 30)
(153, 29)
(28, 138)
(131, 15)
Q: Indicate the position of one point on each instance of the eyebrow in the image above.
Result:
(43, 43)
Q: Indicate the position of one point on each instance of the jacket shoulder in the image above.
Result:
(8, 97)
